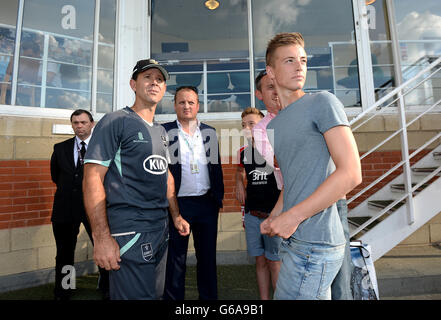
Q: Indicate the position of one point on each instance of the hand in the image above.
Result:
(182, 226)
(283, 226)
(106, 253)
(265, 226)
(240, 193)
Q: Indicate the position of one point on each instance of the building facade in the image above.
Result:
(60, 55)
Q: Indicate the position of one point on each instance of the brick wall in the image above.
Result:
(230, 202)
(26, 193)
(26, 189)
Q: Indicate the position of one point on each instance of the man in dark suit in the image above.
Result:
(196, 169)
(68, 209)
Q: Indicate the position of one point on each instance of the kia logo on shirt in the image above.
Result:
(155, 164)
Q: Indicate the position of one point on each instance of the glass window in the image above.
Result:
(419, 35)
(8, 21)
(55, 64)
(205, 48)
(61, 70)
(419, 31)
(381, 48)
(106, 56)
(328, 29)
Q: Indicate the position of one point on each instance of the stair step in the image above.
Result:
(381, 204)
(358, 221)
(425, 170)
(437, 155)
(355, 222)
(400, 187)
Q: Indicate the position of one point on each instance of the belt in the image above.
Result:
(259, 214)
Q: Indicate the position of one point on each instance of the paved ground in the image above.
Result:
(405, 273)
(410, 273)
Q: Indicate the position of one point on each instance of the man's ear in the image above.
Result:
(259, 95)
(133, 85)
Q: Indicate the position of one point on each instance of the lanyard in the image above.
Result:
(194, 167)
(190, 145)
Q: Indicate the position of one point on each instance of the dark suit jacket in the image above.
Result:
(212, 152)
(68, 200)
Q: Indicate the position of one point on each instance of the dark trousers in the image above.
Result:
(202, 215)
(341, 286)
(66, 239)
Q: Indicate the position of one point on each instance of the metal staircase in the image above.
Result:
(408, 195)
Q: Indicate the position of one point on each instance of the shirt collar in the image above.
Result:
(180, 126)
(271, 115)
(86, 141)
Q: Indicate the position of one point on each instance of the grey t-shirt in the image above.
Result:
(305, 162)
(136, 181)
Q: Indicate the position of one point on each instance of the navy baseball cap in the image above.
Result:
(143, 65)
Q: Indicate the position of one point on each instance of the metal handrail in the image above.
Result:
(380, 109)
(399, 92)
(395, 91)
(399, 164)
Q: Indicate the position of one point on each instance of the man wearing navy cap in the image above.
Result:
(128, 189)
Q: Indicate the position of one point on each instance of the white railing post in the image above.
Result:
(205, 82)
(44, 70)
(402, 114)
(94, 86)
(405, 158)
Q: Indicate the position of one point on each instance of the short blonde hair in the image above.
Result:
(251, 110)
(281, 40)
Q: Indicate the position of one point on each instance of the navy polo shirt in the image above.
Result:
(136, 156)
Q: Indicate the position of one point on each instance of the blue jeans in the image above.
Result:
(307, 270)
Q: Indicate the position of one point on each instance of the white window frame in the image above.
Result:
(133, 42)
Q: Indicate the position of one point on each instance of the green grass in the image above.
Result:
(235, 282)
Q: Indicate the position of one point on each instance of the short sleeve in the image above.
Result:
(105, 141)
(329, 112)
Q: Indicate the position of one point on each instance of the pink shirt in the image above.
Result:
(263, 145)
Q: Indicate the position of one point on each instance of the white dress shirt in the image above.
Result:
(77, 147)
(192, 150)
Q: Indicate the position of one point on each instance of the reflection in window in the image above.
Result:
(418, 29)
(56, 54)
(204, 48)
(419, 35)
(63, 33)
(106, 55)
(328, 29)
(381, 48)
(8, 14)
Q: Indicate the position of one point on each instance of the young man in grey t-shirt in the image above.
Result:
(320, 164)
